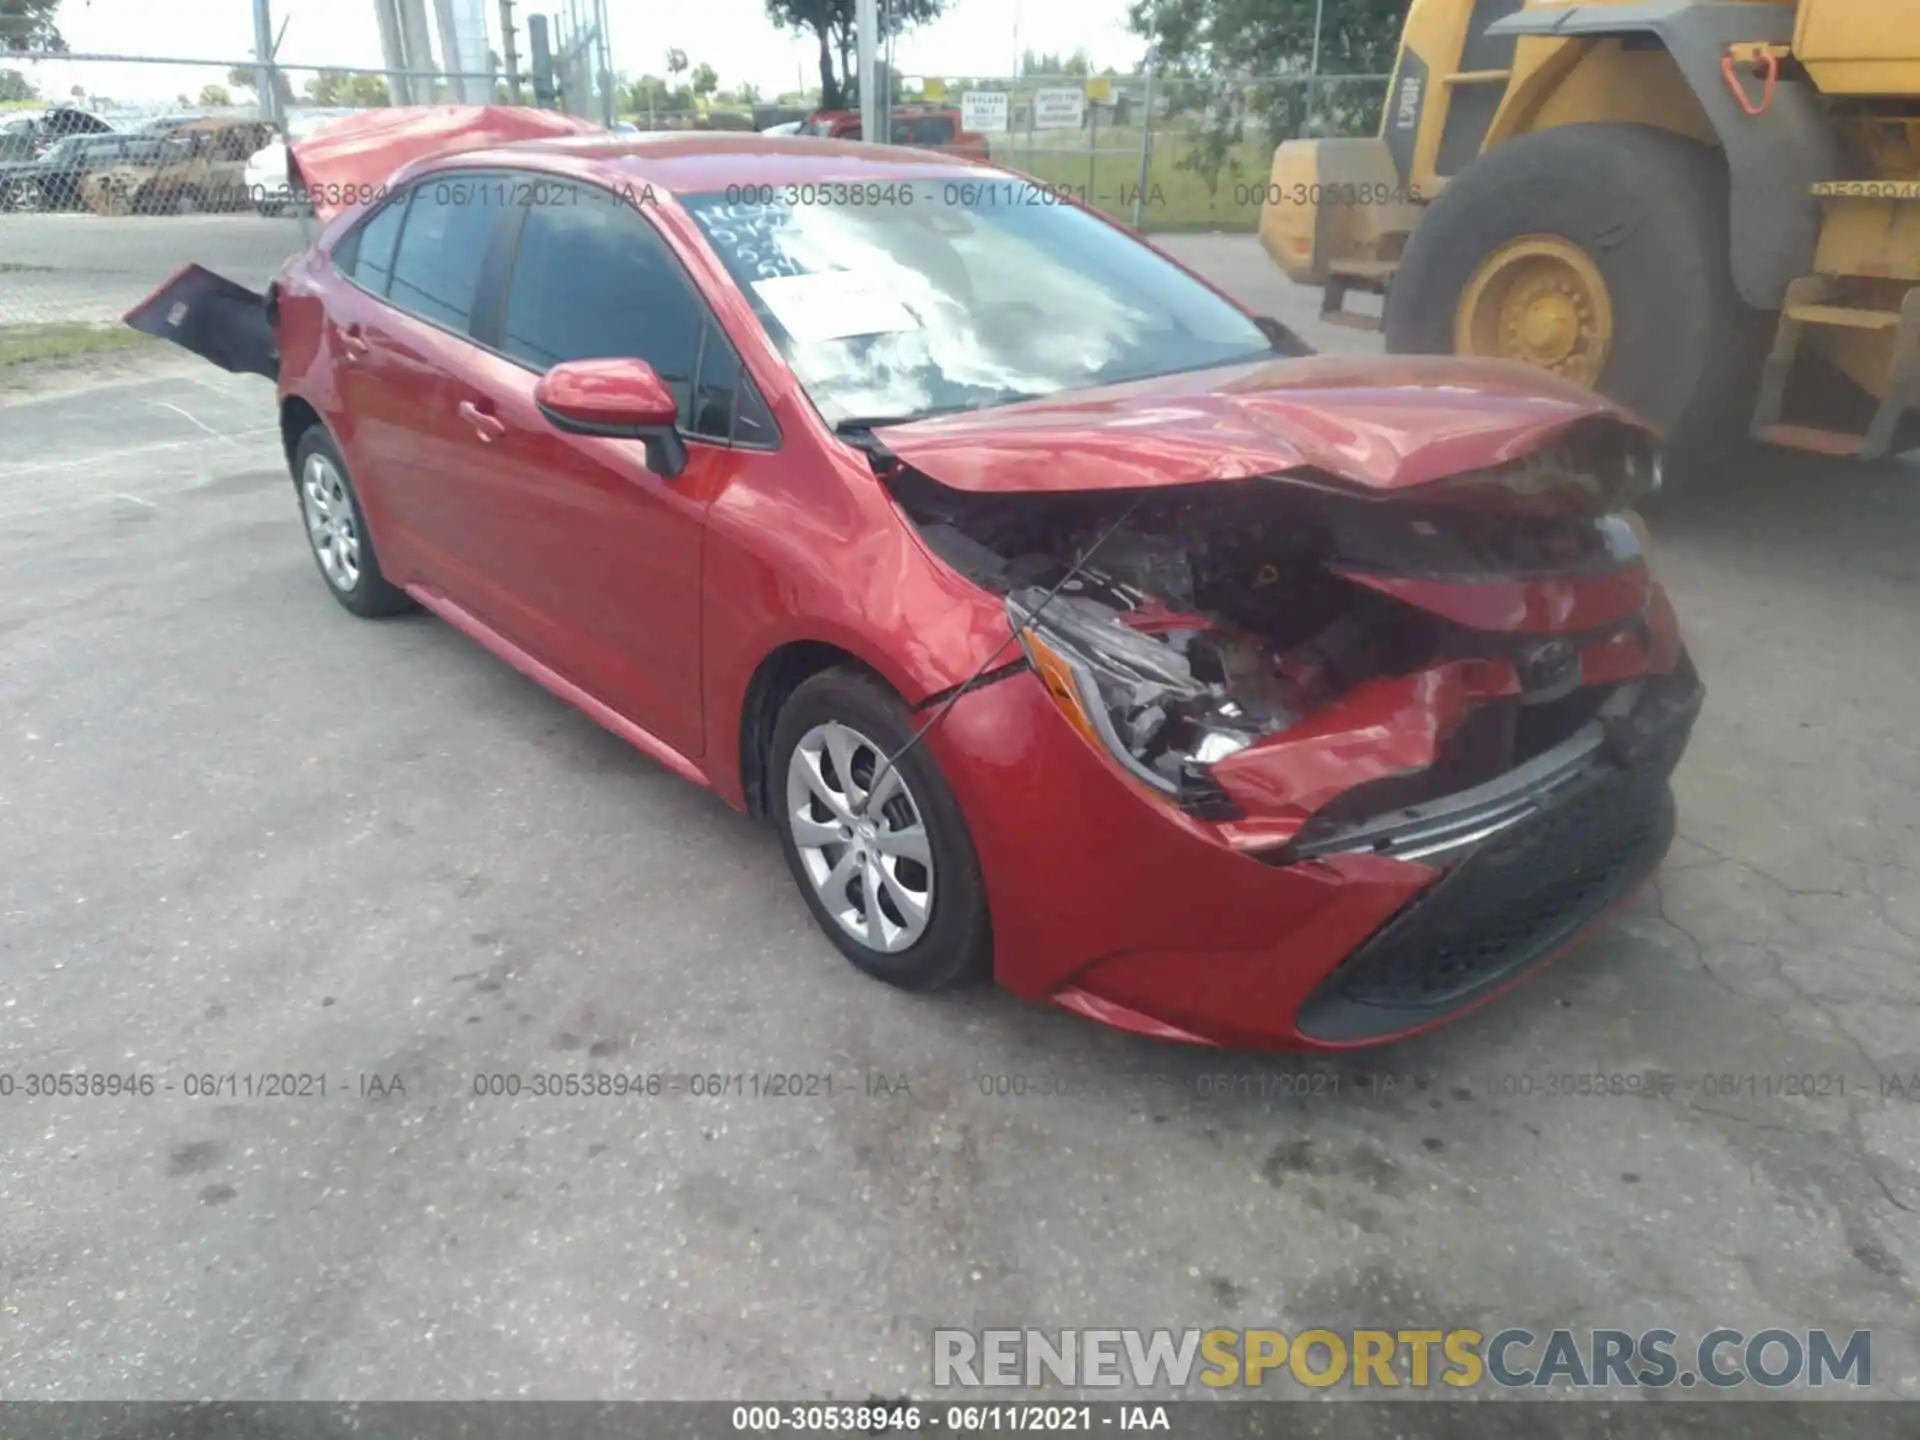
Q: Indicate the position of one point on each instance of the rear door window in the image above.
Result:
(443, 244)
(930, 130)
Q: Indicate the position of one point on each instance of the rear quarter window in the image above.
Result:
(366, 252)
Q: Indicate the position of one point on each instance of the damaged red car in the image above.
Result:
(1071, 625)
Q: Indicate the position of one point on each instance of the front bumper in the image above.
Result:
(1515, 897)
(1365, 940)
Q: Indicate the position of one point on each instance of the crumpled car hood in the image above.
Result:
(351, 159)
(1383, 424)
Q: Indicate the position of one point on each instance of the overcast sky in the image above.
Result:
(976, 37)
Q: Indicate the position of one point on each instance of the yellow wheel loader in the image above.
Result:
(1707, 209)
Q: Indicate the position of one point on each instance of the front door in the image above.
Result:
(598, 557)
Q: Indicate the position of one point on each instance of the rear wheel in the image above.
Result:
(880, 851)
(1600, 253)
(337, 530)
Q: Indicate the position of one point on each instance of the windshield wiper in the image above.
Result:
(860, 424)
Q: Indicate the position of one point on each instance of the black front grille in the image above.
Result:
(1514, 901)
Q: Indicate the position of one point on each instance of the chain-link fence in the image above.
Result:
(1163, 153)
(116, 170)
(142, 181)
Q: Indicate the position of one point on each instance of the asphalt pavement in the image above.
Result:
(244, 835)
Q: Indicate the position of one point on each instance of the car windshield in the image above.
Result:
(903, 299)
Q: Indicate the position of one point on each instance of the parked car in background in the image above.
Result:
(925, 127)
(269, 187)
(53, 181)
(1069, 623)
(201, 165)
(26, 137)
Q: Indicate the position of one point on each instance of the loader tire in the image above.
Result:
(1649, 209)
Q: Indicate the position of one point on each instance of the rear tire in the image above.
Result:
(847, 714)
(1649, 208)
(337, 530)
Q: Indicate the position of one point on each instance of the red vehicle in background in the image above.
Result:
(924, 127)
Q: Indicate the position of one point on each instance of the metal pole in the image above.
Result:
(865, 26)
(1092, 196)
(540, 61)
(393, 50)
(510, 55)
(1146, 141)
(450, 49)
(266, 73)
(413, 30)
(609, 102)
(1313, 73)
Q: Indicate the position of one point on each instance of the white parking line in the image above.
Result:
(191, 419)
(10, 470)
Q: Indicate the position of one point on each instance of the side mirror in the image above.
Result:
(621, 399)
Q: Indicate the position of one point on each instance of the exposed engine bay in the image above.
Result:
(1207, 619)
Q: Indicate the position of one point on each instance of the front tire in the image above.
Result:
(897, 888)
(337, 530)
(1640, 211)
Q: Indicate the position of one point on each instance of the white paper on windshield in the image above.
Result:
(835, 304)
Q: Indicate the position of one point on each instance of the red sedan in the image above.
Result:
(1071, 625)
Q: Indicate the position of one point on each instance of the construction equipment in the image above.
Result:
(1707, 209)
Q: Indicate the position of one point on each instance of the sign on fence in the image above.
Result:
(984, 111)
(1059, 109)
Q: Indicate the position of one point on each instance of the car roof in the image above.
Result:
(688, 163)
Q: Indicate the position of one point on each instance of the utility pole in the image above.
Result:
(266, 73)
(510, 52)
(866, 24)
(540, 61)
(413, 30)
(450, 48)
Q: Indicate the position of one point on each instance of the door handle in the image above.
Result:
(487, 427)
(354, 343)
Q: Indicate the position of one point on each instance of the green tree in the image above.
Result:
(705, 80)
(245, 77)
(1051, 63)
(1239, 68)
(215, 97)
(337, 87)
(15, 86)
(749, 93)
(28, 25)
(831, 23)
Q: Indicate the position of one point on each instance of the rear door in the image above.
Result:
(401, 335)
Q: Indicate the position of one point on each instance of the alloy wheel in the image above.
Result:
(863, 844)
(330, 522)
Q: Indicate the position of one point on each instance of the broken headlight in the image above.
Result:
(1135, 695)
